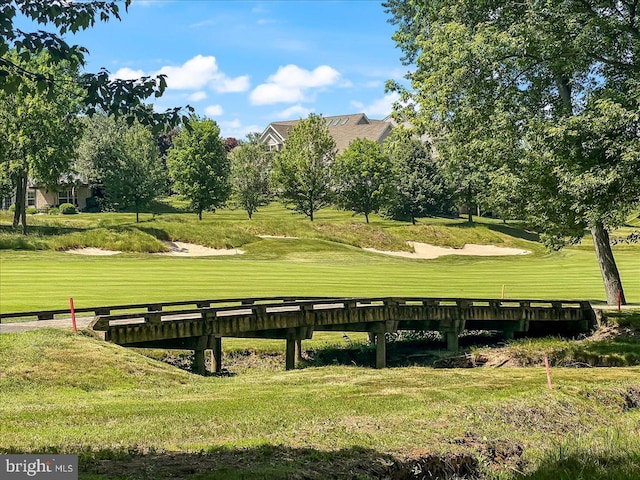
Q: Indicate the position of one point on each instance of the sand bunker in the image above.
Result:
(180, 249)
(278, 236)
(92, 251)
(426, 251)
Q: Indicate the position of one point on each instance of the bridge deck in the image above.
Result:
(203, 328)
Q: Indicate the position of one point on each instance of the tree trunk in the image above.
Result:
(17, 212)
(469, 205)
(366, 216)
(608, 268)
(413, 220)
(20, 213)
(137, 216)
(199, 214)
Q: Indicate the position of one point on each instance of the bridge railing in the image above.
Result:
(262, 305)
(149, 306)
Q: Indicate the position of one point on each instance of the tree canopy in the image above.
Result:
(544, 95)
(199, 167)
(363, 177)
(302, 169)
(122, 161)
(250, 173)
(420, 187)
(99, 91)
(38, 134)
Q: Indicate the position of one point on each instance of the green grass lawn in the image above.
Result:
(325, 259)
(46, 280)
(71, 393)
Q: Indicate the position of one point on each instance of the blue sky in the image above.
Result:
(247, 63)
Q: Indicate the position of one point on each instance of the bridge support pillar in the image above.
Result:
(452, 340)
(215, 343)
(299, 349)
(198, 356)
(381, 350)
(198, 362)
(290, 354)
(508, 333)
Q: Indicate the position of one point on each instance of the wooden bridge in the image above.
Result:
(293, 319)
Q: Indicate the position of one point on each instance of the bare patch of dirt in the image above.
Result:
(274, 462)
(609, 332)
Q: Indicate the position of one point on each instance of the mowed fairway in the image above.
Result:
(322, 258)
(44, 280)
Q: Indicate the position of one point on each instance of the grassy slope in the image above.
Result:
(73, 393)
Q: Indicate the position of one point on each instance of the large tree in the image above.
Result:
(38, 133)
(302, 169)
(546, 94)
(420, 187)
(250, 172)
(55, 19)
(199, 167)
(363, 177)
(123, 161)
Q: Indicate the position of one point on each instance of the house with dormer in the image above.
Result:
(343, 128)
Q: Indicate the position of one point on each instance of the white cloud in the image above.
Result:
(127, 73)
(290, 83)
(297, 111)
(197, 96)
(269, 93)
(380, 107)
(229, 85)
(214, 110)
(295, 77)
(195, 74)
(235, 128)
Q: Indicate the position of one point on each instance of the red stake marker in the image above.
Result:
(546, 364)
(73, 315)
(619, 302)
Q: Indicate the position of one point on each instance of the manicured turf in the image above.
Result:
(45, 280)
(324, 260)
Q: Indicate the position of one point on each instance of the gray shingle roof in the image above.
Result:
(343, 128)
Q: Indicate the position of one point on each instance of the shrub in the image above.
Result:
(12, 208)
(92, 205)
(32, 210)
(53, 211)
(67, 209)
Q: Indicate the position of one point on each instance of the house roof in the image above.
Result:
(66, 179)
(343, 128)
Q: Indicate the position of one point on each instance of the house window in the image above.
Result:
(31, 198)
(67, 196)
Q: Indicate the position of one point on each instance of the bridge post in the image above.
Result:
(452, 340)
(290, 354)
(215, 343)
(381, 350)
(198, 356)
(299, 349)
